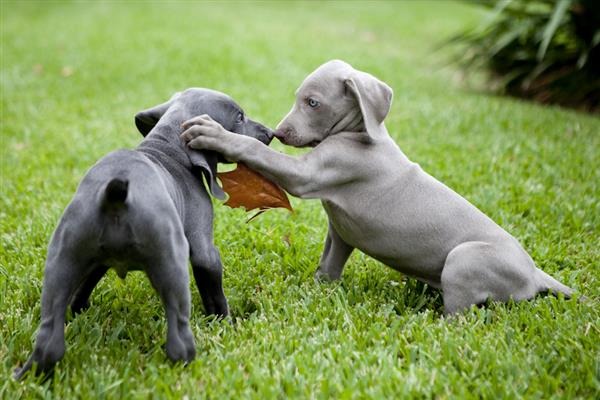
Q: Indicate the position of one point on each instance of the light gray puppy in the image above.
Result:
(143, 209)
(376, 199)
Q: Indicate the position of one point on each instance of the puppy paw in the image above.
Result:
(323, 277)
(182, 348)
(78, 306)
(19, 373)
(221, 308)
(46, 373)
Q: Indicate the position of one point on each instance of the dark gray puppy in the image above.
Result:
(143, 209)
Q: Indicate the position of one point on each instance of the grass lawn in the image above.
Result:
(74, 74)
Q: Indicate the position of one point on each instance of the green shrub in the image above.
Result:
(545, 50)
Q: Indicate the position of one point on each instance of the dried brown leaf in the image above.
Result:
(249, 189)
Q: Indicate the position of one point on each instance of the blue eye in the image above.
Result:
(312, 103)
(240, 118)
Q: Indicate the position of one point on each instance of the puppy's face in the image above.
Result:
(336, 98)
(196, 101)
(321, 102)
(224, 110)
(193, 102)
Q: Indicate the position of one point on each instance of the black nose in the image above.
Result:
(270, 134)
(258, 131)
(267, 133)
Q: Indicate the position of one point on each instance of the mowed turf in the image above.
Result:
(74, 74)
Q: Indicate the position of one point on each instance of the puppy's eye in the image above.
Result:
(312, 103)
(240, 118)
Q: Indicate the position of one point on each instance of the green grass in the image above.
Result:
(533, 169)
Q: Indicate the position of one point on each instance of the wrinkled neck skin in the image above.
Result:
(163, 141)
(350, 122)
(354, 122)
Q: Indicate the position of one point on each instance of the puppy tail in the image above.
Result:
(115, 193)
(550, 284)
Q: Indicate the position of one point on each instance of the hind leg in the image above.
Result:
(62, 276)
(169, 276)
(80, 300)
(477, 271)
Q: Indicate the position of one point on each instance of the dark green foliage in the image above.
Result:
(545, 50)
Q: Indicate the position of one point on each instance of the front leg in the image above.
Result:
(335, 255)
(208, 274)
(303, 177)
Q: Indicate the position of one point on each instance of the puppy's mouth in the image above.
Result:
(288, 137)
(281, 134)
(290, 142)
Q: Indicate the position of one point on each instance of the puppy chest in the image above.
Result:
(347, 224)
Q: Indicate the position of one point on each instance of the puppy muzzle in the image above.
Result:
(283, 133)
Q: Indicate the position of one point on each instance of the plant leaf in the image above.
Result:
(559, 12)
(249, 189)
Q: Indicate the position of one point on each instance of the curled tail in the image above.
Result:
(115, 194)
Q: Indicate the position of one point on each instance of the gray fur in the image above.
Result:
(143, 209)
(376, 199)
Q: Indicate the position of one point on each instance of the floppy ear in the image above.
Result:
(147, 119)
(206, 163)
(374, 99)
